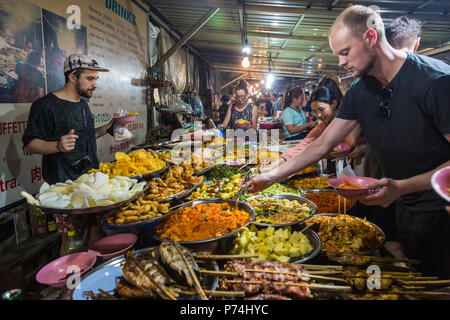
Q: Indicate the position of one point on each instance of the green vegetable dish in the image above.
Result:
(279, 211)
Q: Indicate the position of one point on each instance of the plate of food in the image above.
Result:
(351, 187)
(121, 278)
(243, 124)
(90, 193)
(221, 189)
(341, 150)
(201, 224)
(124, 119)
(440, 181)
(309, 183)
(281, 210)
(177, 182)
(342, 233)
(328, 201)
(283, 244)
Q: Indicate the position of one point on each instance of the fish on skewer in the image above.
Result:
(181, 260)
(145, 274)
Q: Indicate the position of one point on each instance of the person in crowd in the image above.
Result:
(403, 33)
(168, 122)
(400, 100)
(241, 109)
(277, 104)
(223, 108)
(61, 128)
(269, 104)
(307, 104)
(294, 120)
(325, 101)
(198, 105)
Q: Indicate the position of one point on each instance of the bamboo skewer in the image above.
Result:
(224, 256)
(294, 284)
(432, 282)
(237, 274)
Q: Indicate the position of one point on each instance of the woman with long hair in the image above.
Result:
(295, 124)
(241, 109)
(325, 101)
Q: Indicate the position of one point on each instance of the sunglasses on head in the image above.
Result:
(384, 109)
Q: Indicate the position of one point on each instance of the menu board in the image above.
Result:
(35, 38)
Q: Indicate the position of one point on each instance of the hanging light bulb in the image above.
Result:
(245, 62)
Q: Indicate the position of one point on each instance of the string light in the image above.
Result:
(245, 62)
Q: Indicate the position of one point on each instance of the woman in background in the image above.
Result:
(294, 120)
(241, 109)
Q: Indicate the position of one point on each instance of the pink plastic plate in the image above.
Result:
(440, 181)
(113, 246)
(125, 119)
(55, 273)
(344, 148)
(351, 193)
(243, 125)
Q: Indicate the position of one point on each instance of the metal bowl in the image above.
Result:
(92, 210)
(371, 223)
(143, 223)
(288, 197)
(353, 203)
(181, 194)
(313, 237)
(212, 244)
(148, 175)
(209, 283)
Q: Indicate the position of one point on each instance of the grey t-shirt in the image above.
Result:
(412, 141)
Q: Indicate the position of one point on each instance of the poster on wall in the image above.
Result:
(35, 38)
(60, 42)
(21, 64)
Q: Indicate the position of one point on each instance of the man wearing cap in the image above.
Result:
(61, 127)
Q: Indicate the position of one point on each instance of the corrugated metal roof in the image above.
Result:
(300, 52)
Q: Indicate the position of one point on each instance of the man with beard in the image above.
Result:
(401, 101)
(61, 127)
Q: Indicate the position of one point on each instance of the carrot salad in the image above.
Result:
(202, 221)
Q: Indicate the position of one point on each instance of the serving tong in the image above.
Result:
(241, 190)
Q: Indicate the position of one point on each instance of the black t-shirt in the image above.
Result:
(48, 120)
(412, 141)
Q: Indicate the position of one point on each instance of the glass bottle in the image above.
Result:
(74, 243)
(40, 223)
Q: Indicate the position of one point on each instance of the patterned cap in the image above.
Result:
(75, 61)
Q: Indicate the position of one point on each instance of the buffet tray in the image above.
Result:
(151, 174)
(288, 197)
(242, 205)
(92, 210)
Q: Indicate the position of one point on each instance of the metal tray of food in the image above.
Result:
(328, 190)
(288, 197)
(92, 210)
(149, 175)
(143, 223)
(242, 205)
(369, 222)
(181, 194)
(208, 283)
(313, 237)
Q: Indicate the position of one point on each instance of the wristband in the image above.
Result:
(57, 146)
